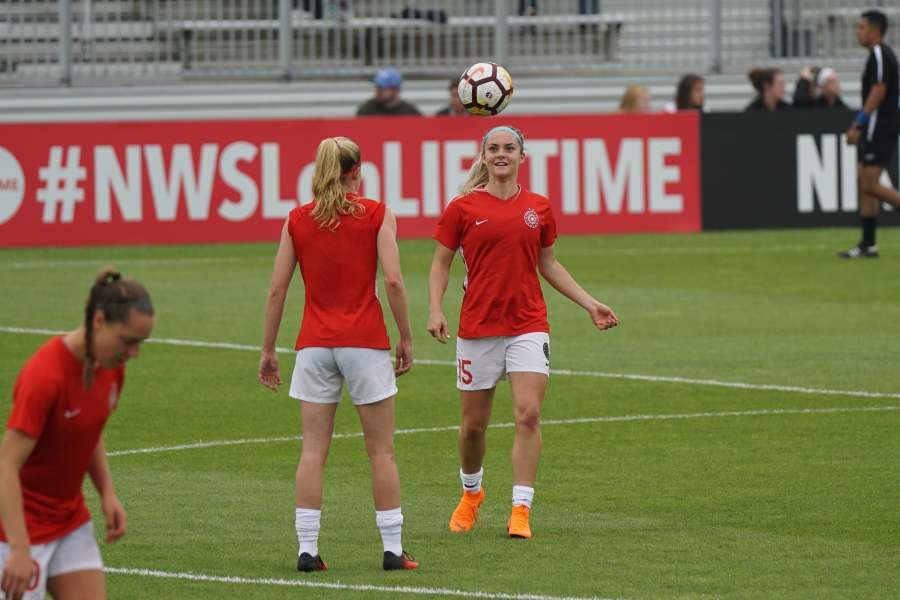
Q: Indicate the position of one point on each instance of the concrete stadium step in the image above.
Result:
(323, 98)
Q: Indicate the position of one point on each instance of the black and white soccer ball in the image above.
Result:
(485, 88)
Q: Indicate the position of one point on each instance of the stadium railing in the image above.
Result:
(167, 40)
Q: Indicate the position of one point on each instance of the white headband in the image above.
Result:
(823, 76)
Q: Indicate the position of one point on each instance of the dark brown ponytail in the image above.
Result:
(115, 297)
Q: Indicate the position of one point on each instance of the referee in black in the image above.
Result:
(875, 129)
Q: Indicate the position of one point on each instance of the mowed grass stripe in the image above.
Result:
(769, 387)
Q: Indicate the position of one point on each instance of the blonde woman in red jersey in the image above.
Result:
(338, 240)
(61, 401)
(504, 235)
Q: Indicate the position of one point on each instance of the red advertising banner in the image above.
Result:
(231, 181)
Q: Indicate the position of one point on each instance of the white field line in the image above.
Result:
(353, 587)
(577, 421)
(564, 372)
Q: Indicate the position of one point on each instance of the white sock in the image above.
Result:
(522, 495)
(307, 521)
(471, 482)
(390, 522)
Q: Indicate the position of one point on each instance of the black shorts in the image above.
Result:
(880, 149)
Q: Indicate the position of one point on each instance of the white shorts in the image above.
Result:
(482, 362)
(77, 551)
(319, 374)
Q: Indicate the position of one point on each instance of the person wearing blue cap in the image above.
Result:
(387, 101)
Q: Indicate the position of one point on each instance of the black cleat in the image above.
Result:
(392, 562)
(860, 252)
(309, 563)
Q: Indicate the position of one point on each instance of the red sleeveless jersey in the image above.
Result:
(51, 406)
(339, 271)
(499, 242)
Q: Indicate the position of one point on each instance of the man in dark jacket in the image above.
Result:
(386, 100)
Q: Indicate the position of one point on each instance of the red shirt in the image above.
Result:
(499, 242)
(51, 405)
(339, 271)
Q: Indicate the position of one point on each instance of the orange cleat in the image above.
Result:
(517, 526)
(466, 513)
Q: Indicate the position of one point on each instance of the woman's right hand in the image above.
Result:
(437, 326)
(18, 574)
(268, 370)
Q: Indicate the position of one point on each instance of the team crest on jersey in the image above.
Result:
(113, 396)
(531, 218)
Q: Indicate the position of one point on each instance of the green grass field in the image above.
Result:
(786, 487)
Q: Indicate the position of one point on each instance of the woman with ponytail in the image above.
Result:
(339, 240)
(504, 235)
(61, 401)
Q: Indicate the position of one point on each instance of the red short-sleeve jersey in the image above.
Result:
(51, 406)
(499, 242)
(339, 269)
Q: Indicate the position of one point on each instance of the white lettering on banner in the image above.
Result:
(109, 182)
(167, 188)
(248, 200)
(571, 183)
(660, 174)
(12, 185)
(817, 178)
(304, 183)
(274, 206)
(599, 173)
(371, 180)
(247, 177)
(817, 174)
(454, 174)
(393, 182)
(431, 185)
(849, 193)
(538, 151)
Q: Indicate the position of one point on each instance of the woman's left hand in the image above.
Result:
(116, 519)
(268, 371)
(603, 316)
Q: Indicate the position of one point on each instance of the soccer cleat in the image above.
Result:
(309, 563)
(517, 526)
(404, 562)
(860, 252)
(466, 513)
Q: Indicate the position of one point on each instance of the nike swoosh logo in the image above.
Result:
(480, 222)
(71, 414)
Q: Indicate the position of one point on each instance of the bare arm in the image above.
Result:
(282, 272)
(101, 477)
(438, 278)
(15, 449)
(557, 276)
(389, 258)
(876, 95)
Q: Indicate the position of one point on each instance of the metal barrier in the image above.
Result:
(74, 41)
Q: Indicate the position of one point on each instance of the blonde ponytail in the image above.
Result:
(335, 158)
(477, 177)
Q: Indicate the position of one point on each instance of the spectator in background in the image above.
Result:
(386, 100)
(806, 88)
(690, 93)
(636, 99)
(829, 90)
(769, 85)
(455, 108)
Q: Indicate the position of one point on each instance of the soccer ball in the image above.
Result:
(485, 88)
